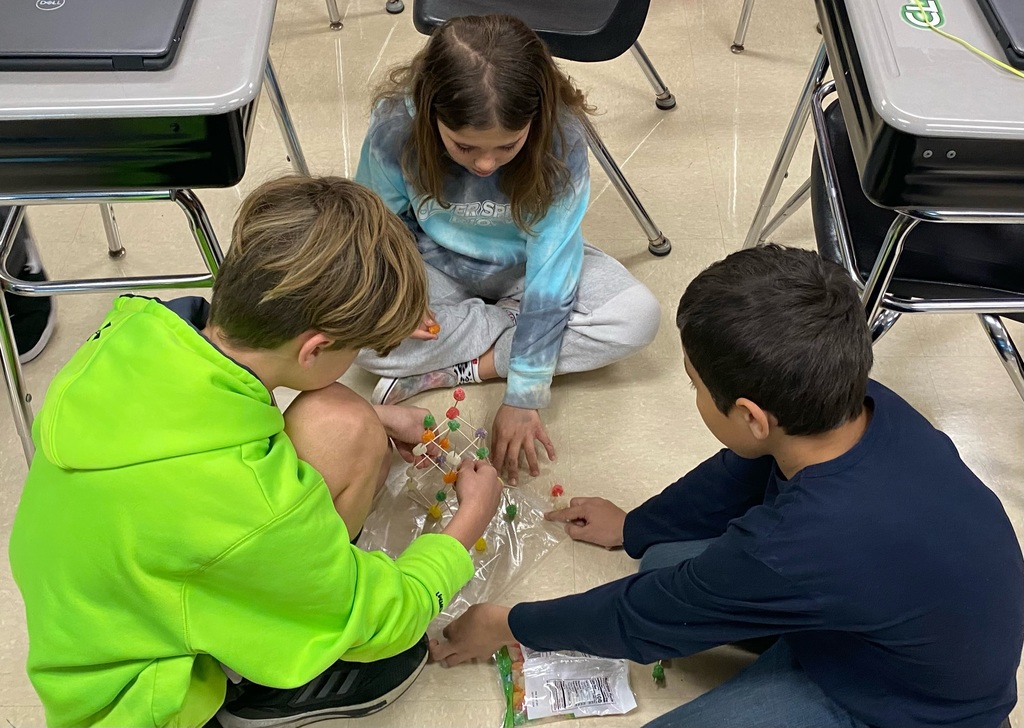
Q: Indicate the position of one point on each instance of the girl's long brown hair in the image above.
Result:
(483, 72)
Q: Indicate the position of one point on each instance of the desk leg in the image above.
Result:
(14, 381)
(802, 195)
(882, 323)
(1008, 353)
(885, 265)
(202, 230)
(114, 247)
(284, 120)
(756, 234)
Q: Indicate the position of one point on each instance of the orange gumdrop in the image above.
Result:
(443, 443)
(434, 329)
(428, 435)
(450, 477)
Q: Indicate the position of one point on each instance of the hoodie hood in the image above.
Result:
(156, 389)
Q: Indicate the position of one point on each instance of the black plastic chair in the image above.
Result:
(582, 30)
(943, 267)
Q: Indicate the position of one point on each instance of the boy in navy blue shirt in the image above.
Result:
(838, 519)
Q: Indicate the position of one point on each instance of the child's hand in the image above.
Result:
(594, 520)
(428, 329)
(479, 492)
(476, 635)
(404, 425)
(516, 431)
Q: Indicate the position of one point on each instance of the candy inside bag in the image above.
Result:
(543, 686)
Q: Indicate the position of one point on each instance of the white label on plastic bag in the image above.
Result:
(561, 684)
(572, 694)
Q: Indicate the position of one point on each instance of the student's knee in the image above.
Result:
(338, 432)
(635, 315)
(673, 553)
(646, 312)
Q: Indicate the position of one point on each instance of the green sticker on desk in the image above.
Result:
(924, 14)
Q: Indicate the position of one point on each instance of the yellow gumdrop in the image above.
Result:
(434, 511)
(481, 544)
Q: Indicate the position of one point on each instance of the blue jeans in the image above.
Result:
(772, 692)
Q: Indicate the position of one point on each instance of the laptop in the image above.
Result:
(91, 35)
(1007, 19)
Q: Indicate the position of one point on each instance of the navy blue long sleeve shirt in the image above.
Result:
(892, 572)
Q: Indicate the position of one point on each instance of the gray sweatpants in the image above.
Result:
(614, 316)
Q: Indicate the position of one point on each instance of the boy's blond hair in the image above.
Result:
(321, 254)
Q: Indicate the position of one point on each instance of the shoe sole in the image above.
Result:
(383, 389)
(44, 338)
(349, 711)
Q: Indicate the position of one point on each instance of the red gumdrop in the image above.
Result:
(459, 394)
(556, 490)
(452, 413)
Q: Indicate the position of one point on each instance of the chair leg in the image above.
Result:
(882, 323)
(394, 6)
(657, 243)
(755, 235)
(14, 380)
(1005, 348)
(332, 11)
(741, 29)
(663, 98)
(114, 247)
(284, 120)
(885, 264)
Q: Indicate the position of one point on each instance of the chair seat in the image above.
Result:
(939, 260)
(576, 30)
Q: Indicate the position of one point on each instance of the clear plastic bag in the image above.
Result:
(543, 686)
(514, 546)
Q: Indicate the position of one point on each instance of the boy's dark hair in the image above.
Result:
(783, 328)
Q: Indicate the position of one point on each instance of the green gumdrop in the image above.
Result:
(429, 421)
(658, 673)
(511, 511)
(453, 425)
(481, 453)
(440, 496)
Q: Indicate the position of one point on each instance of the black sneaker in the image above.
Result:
(344, 690)
(33, 318)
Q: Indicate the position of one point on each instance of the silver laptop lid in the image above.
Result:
(90, 28)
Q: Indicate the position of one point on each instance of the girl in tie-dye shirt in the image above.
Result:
(479, 145)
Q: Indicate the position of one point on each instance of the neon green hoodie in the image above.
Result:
(167, 526)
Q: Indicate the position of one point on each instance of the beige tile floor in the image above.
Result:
(624, 432)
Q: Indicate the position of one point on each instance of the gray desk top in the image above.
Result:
(219, 67)
(928, 85)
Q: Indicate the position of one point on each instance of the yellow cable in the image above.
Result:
(965, 44)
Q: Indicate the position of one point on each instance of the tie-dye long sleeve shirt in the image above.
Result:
(478, 238)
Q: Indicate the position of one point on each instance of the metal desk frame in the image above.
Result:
(187, 201)
(881, 308)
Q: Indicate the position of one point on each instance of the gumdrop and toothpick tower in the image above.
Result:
(454, 439)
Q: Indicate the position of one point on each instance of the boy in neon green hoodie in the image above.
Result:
(176, 525)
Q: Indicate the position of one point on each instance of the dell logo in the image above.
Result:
(49, 4)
